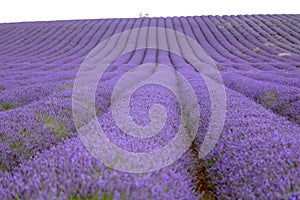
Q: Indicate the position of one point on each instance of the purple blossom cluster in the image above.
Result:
(256, 157)
(69, 171)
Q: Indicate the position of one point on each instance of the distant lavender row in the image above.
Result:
(228, 39)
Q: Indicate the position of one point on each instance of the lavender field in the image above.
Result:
(257, 155)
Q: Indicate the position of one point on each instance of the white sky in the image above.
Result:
(45, 10)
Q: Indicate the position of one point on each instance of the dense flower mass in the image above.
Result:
(256, 157)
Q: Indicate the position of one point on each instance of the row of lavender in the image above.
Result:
(36, 112)
(229, 39)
